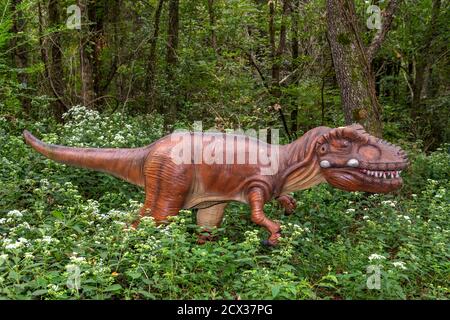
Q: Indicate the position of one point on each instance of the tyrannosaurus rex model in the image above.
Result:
(205, 171)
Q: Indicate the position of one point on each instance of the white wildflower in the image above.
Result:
(389, 203)
(44, 183)
(119, 138)
(399, 264)
(29, 255)
(77, 260)
(350, 210)
(3, 258)
(375, 256)
(15, 214)
(25, 225)
(11, 246)
(47, 239)
(408, 219)
(19, 243)
(120, 223)
(53, 287)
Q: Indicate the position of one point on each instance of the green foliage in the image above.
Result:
(55, 219)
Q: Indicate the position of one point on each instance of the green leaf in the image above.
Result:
(39, 292)
(275, 291)
(58, 215)
(77, 229)
(146, 294)
(134, 274)
(13, 275)
(330, 277)
(114, 287)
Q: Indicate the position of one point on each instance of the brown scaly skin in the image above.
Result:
(347, 157)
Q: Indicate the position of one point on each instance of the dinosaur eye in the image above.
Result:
(323, 148)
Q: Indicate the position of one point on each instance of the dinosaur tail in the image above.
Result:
(126, 164)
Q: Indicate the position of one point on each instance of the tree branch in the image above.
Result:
(252, 60)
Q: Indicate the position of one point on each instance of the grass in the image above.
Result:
(63, 232)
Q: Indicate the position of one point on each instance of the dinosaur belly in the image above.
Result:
(202, 201)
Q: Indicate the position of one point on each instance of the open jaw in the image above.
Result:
(361, 179)
(380, 177)
(382, 174)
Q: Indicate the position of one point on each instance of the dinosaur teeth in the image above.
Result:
(382, 174)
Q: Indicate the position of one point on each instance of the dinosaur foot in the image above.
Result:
(288, 203)
(206, 236)
(273, 239)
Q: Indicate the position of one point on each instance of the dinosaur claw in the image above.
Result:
(268, 243)
(288, 203)
(273, 240)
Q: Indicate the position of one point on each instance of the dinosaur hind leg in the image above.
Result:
(166, 188)
(209, 218)
(145, 211)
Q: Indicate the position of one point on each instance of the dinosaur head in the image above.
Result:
(352, 160)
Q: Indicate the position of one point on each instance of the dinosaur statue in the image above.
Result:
(346, 157)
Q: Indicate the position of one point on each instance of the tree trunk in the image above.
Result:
(86, 58)
(294, 32)
(151, 66)
(425, 59)
(43, 44)
(352, 66)
(96, 14)
(295, 54)
(273, 48)
(212, 24)
(20, 53)
(56, 74)
(171, 60)
(276, 54)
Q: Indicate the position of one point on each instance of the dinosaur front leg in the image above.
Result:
(256, 201)
(288, 203)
